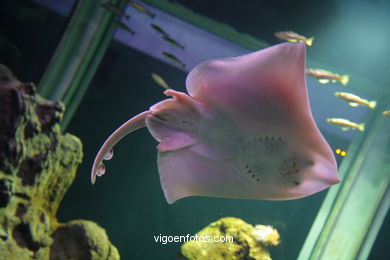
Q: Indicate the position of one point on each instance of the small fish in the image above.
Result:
(173, 59)
(354, 100)
(124, 26)
(291, 36)
(159, 29)
(160, 81)
(173, 41)
(141, 8)
(386, 113)
(341, 152)
(114, 9)
(345, 124)
(324, 76)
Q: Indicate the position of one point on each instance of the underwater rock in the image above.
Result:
(249, 242)
(37, 166)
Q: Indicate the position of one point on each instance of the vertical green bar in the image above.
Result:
(352, 213)
(79, 54)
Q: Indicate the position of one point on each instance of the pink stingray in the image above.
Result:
(244, 131)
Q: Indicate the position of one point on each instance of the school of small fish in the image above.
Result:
(325, 77)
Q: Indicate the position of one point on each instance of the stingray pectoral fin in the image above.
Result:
(193, 172)
(106, 149)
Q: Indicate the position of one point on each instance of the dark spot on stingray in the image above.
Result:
(309, 163)
(297, 182)
(257, 179)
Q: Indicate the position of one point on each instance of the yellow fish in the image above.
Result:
(141, 8)
(354, 100)
(341, 152)
(159, 80)
(291, 36)
(345, 124)
(386, 113)
(324, 76)
(173, 58)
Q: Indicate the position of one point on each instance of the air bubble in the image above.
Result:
(100, 170)
(108, 155)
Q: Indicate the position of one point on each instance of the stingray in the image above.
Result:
(244, 131)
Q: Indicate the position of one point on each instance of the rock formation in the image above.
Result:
(249, 242)
(37, 166)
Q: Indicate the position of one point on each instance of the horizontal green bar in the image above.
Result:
(357, 83)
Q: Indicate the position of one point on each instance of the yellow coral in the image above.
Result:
(266, 235)
(244, 244)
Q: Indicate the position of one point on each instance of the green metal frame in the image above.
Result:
(223, 30)
(79, 54)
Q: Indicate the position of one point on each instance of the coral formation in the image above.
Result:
(37, 165)
(249, 242)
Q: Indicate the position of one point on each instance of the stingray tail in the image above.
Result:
(106, 151)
